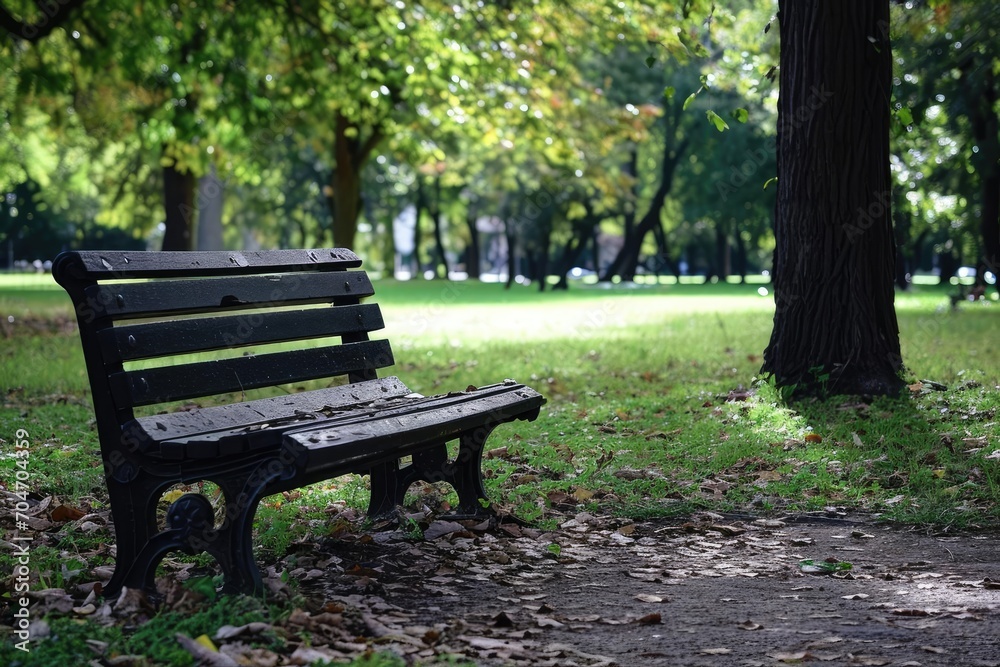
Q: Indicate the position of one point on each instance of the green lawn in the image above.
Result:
(638, 381)
(654, 408)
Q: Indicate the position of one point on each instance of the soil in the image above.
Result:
(714, 590)
(711, 590)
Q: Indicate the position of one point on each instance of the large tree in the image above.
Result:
(835, 327)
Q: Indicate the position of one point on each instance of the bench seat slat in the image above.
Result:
(160, 339)
(179, 297)
(174, 383)
(146, 434)
(112, 264)
(396, 433)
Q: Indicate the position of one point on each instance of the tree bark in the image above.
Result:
(582, 232)
(210, 192)
(986, 131)
(438, 235)
(511, 237)
(741, 257)
(835, 329)
(472, 253)
(627, 260)
(178, 203)
(350, 152)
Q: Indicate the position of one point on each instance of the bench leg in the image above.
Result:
(467, 475)
(389, 482)
(191, 528)
(133, 510)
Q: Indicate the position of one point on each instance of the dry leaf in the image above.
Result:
(799, 656)
(66, 513)
(650, 619)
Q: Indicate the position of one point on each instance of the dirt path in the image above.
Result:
(712, 591)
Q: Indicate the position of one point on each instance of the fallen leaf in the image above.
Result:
(441, 528)
(502, 620)
(650, 619)
(66, 513)
(813, 437)
(799, 656)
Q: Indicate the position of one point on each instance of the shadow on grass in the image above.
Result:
(919, 458)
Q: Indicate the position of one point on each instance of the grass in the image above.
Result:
(653, 379)
(654, 409)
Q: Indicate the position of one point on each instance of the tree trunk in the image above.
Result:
(210, 191)
(721, 253)
(472, 254)
(627, 260)
(438, 236)
(422, 205)
(631, 168)
(741, 257)
(511, 236)
(986, 131)
(835, 329)
(350, 152)
(990, 223)
(582, 232)
(178, 203)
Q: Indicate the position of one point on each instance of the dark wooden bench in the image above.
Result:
(163, 327)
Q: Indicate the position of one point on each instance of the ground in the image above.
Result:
(710, 590)
(714, 590)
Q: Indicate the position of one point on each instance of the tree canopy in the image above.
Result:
(624, 137)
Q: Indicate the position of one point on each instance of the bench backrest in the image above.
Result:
(137, 306)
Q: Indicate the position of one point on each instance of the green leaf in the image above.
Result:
(668, 92)
(741, 115)
(905, 116)
(650, 61)
(716, 119)
(768, 182)
(689, 100)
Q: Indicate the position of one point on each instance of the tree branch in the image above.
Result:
(54, 14)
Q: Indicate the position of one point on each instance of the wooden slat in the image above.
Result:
(178, 297)
(263, 410)
(160, 339)
(397, 433)
(110, 264)
(183, 381)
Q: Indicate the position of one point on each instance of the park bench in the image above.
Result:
(162, 328)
